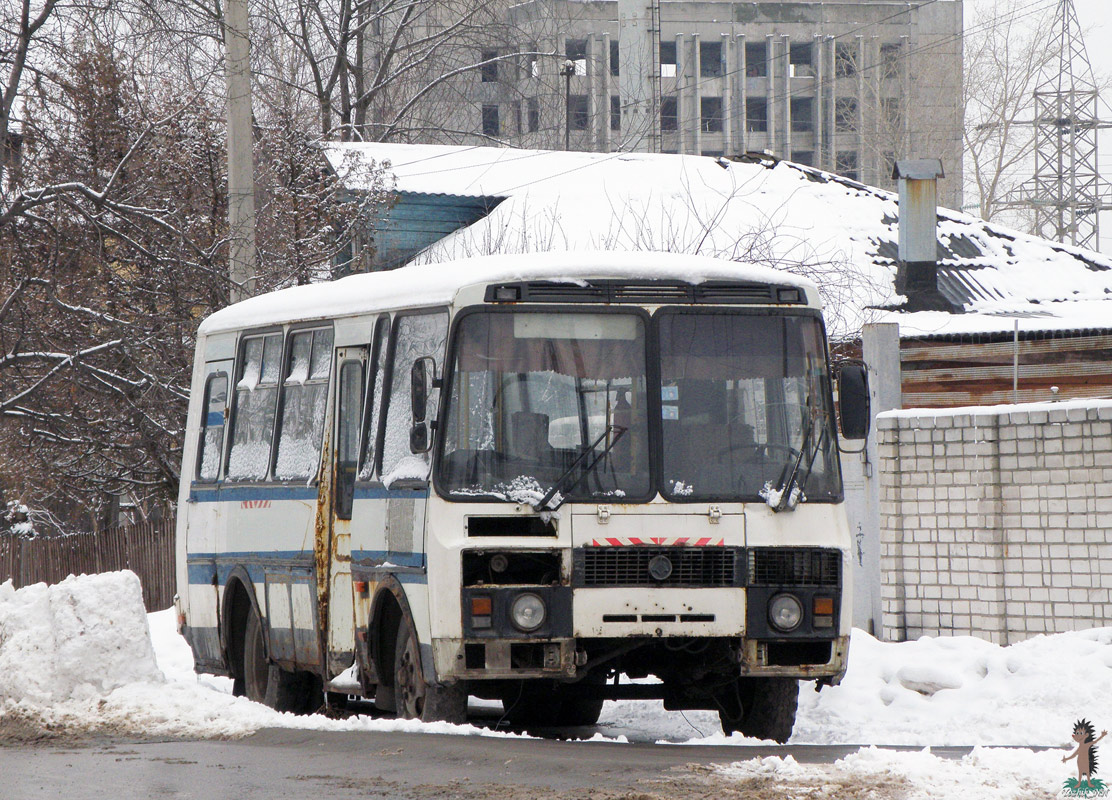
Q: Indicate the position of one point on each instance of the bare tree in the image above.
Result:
(113, 244)
(1005, 57)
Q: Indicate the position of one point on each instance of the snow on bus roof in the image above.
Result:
(437, 284)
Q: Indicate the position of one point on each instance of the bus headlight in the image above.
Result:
(785, 612)
(527, 612)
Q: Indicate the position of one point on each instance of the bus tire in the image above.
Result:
(414, 697)
(768, 709)
(268, 683)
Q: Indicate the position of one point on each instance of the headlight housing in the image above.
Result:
(528, 612)
(785, 612)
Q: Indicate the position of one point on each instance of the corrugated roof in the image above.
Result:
(840, 233)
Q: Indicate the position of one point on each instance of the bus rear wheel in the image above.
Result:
(268, 683)
(767, 708)
(416, 698)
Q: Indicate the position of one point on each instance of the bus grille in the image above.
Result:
(630, 566)
(794, 567)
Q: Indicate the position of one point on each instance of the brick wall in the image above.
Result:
(996, 522)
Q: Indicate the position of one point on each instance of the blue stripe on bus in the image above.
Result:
(202, 567)
(232, 493)
(377, 557)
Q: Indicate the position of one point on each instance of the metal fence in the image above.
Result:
(145, 548)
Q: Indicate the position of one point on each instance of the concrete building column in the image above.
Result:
(742, 94)
(695, 93)
(682, 111)
(729, 79)
(785, 93)
(605, 131)
(770, 91)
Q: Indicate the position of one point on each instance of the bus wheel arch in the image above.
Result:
(409, 681)
(239, 603)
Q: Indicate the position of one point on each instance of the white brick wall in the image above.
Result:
(996, 522)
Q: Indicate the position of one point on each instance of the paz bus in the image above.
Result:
(522, 478)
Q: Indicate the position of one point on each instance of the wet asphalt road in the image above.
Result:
(313, 764)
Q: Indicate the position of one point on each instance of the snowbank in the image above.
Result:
(958, 691)
(985, 774)
(80, 656)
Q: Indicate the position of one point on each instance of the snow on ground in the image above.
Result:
(81, 656)
(985, 774)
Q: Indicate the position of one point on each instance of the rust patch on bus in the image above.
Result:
(322, 550)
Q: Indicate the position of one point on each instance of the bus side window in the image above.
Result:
(418, 336)
(347, 456)
(373, 413)
(212, 427)
(256, 395)
(304, 394)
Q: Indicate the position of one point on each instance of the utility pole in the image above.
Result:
(1066, 191)
(241, 155)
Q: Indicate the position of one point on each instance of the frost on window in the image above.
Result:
(212, 441)
(370, 436)
(253, 414)
(303, 404)
(418, 335)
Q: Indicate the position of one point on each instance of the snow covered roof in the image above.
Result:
(839, 233)
(437, 284)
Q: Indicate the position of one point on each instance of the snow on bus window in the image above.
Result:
(212, 442)
(370, 437)
(303, 405)
(253, 413)
(418, 335)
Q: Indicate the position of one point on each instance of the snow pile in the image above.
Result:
(78, 657)
(959, 691)
(963, 691)
(870, 772)
(81, 638)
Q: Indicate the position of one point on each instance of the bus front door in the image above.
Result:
(337, 494)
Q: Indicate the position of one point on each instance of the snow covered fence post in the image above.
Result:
(996, 521)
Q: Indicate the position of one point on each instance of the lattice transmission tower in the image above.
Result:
(1067, 192)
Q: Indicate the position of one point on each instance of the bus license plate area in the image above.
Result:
(658, 612)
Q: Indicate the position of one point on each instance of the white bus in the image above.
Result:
(520, 478)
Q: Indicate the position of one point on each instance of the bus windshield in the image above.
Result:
(531, 392)
(745, 402)
(543, 399)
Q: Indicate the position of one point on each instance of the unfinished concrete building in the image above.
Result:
(844, 85)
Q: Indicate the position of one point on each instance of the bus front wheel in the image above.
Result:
(268, 683)
(767, 708)
(414, 697)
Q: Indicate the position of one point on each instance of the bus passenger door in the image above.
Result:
(343, 459)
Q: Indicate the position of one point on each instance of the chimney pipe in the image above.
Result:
(917, 275)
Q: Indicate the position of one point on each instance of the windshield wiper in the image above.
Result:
(617, 430)
(797, 477)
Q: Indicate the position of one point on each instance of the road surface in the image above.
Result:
(277, 764)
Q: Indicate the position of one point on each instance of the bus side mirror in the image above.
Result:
(853, 399)
(418, 390)
(421, 375)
